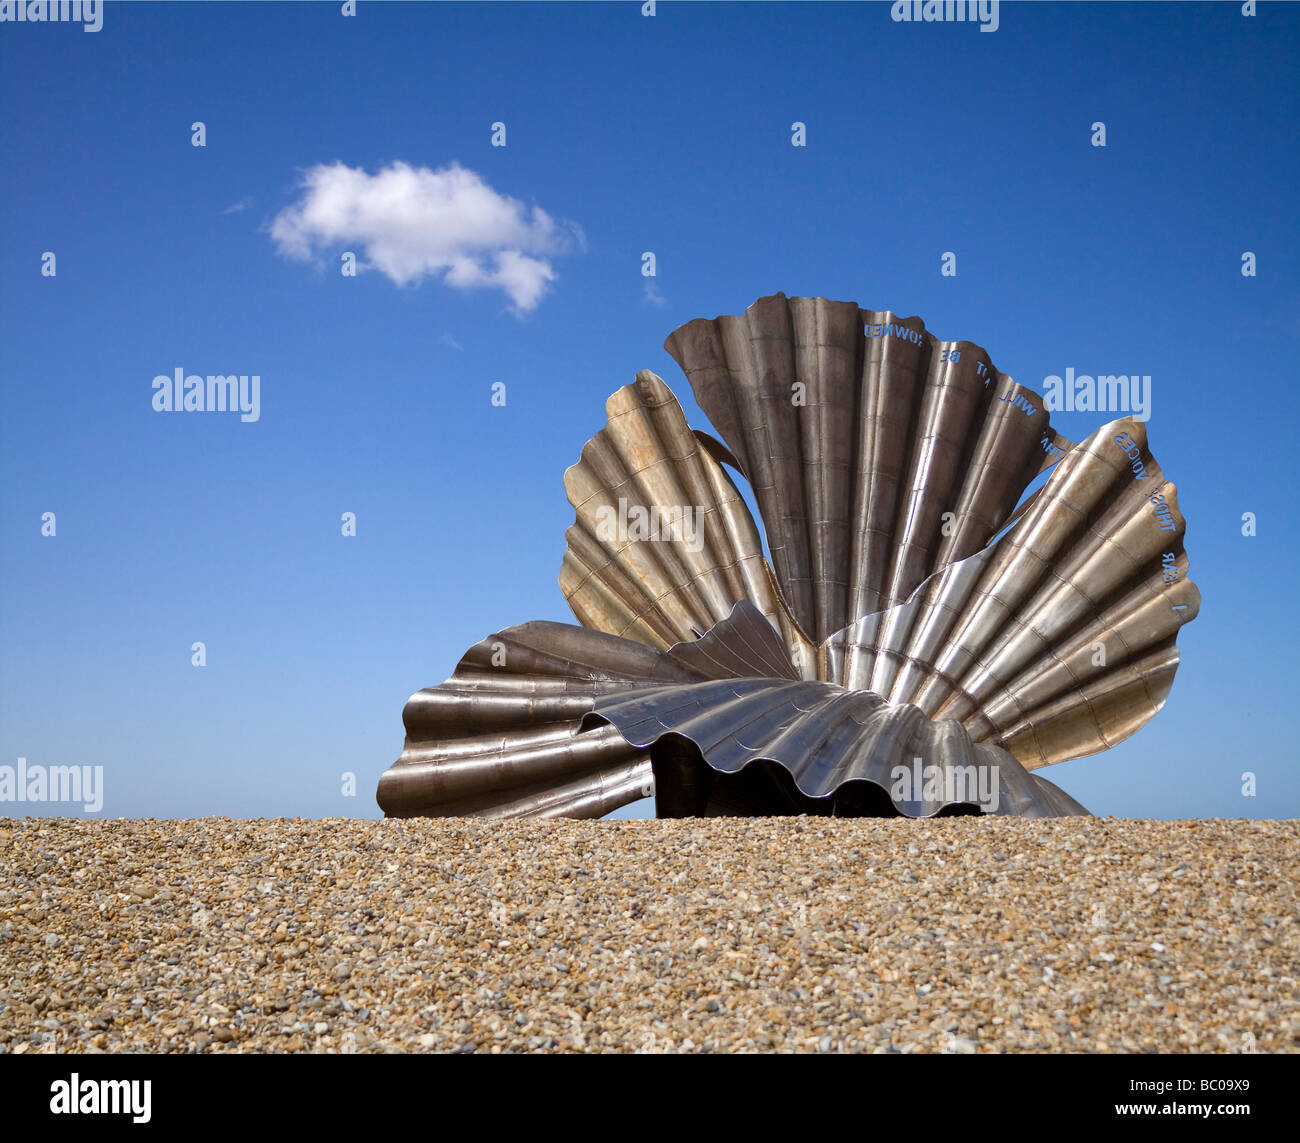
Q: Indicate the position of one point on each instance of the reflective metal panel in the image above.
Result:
(919, 612)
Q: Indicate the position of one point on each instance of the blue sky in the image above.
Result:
(668, 134)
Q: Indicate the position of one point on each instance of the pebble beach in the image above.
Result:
(959, 935)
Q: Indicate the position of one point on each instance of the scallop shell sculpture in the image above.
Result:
(922, 639)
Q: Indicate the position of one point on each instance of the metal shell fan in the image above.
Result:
(921, 640)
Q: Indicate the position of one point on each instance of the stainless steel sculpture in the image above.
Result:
(917, 644)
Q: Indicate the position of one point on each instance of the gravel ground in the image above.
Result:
(788, 934)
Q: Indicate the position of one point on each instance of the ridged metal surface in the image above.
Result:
(500, 738)
(658, 591)
(828, 738)
(548, 720)
(853, 482)
(503, 736)
(912, 612)
(753, 710)
(1058, 640)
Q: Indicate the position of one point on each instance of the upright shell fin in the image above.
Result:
(1058, 640)
(862, 436)
(647, 471)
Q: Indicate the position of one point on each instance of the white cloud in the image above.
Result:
(448, 340)
(413, 222)
(651, 295)
(243, 204)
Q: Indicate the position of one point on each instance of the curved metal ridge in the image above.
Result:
(859, 430)
(827, 738)
(1058, 640)
(744, 645)
(503, 736)
(500, 738)
(663, 545)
